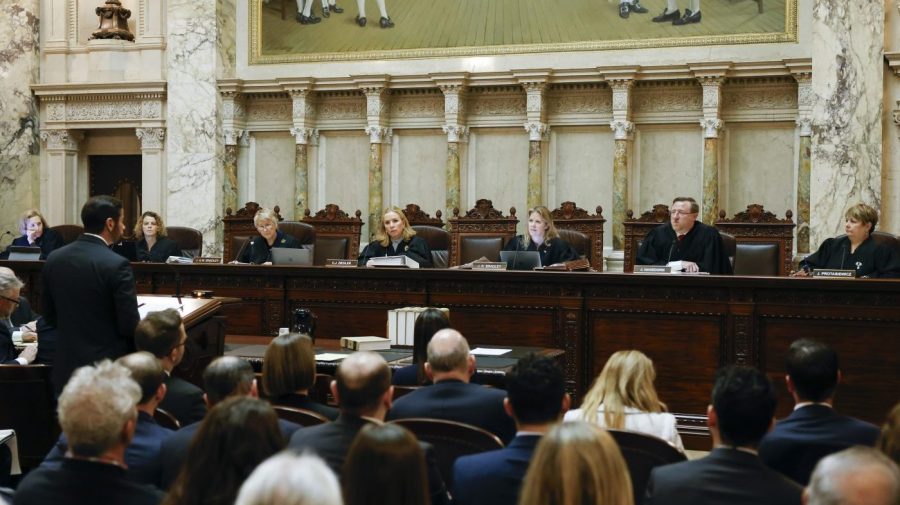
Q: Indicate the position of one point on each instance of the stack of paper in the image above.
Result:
(402, 322)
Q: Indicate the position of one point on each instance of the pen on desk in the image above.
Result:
(141, 305)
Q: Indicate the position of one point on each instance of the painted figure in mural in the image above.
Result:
(329, 6)
(626, 7)
(673, 14)
(304, 13)
(385, 20)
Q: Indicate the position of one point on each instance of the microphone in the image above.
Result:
(671, 248)
(843, 255)
(516, 253)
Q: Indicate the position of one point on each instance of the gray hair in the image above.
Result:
(9, 281)
(95, 405)
(265, 214)
(830, 481)
(291, 479)
(448, 351)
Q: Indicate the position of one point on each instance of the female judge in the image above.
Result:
(259, 249)
(394, 237)
(152, 243)
(543, 238)
(856, 250)
(36, 233)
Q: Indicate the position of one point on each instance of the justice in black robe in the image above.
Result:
(870, 259)
(701, 245)
(159, 253)
(258, 251)
(557, 251)
(415, 248)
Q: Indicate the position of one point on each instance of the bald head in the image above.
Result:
(361, 381)
(855, 476)
(448, 351)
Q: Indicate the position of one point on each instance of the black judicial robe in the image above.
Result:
(701, 245)
(557, 251)
(870, 259)
(257, 251)
(415, 248)
(162, 249)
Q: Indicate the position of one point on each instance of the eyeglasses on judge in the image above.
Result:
(680, 213)
(11, 300)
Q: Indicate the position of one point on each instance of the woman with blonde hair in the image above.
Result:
(543, 237)
(623, 397)
(258, 250)
(152, 244)
(395, 237)
(36, 233)
(577, 464)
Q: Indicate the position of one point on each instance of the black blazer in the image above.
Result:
(23, 313)
(8, 352)
(810, 433)
(557, 251)
(257, 250)
(493, 477)
(724, 476)
(89, 296)
(870, 259)
(162, 249)
(78, 482)
(49, 241)
(702, 245)
(183, 400)
(415, 248)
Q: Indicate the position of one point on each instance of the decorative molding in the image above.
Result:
(621, 97)
(622, 129)
(805, 125)
(427, 106)
(456, 133)
(244, 139)
(62, 140)
(151, 138)
(497, 105)
(387, 136)
(536, 131)
(353, 107)
(314, 137)
(580, 103)
(679, 99)
(377, 133)
(231, 135)
(270, 110)
(711, 127)
(377, 98)
(759, 97)
(712, 94)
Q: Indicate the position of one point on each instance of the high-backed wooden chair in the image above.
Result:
(304, 232)
(482, 231)
(238, 228)
(189, 240)
(643, 453)
(29, 407)
(337, 234)
(637, 229)
(68, 232)
(582, 230)
(431, 229)
(303, 417)
(765, 244)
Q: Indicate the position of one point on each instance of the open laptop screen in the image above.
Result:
(521, 260)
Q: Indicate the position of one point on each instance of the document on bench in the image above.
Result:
(488, 351)
(330, 356)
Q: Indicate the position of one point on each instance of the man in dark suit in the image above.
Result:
(813, 430)
(98, 416)
(855, 476)
(452, 397)
(536, 399)
(10, 285)
(142, 455)
(162, 334)
(89, 293)
(225, 377)
(742, 410)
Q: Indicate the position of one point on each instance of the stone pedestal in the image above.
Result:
(60, 175)
(153, 168)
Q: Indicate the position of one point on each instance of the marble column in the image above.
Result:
(455, 135)
(453, 86)
(847, 47)
(536, 135)
(19, 143)
(622, 131)
(301, 170)
(376, 175)
(804, 129)
(230, 169)
(153, 168)
(710, 207)
(61, 175)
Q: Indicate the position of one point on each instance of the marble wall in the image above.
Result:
(343, 173)
(670, 161)
(760, 168)
(274, 154)
(416, 170)
(498, 170)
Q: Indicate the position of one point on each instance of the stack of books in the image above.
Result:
(392, 261)
(402, 322)
(366, 343)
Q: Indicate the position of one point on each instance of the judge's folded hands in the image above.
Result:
(29, 354)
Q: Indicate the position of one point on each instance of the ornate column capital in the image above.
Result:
(387, 136)
(711, 127)
(302, 106)
(712, 94)
(377, 133)
(231, 135)
(64, 140)
(805, 126)
(622, 129)
(621, 97)
(151, 138)
(534, 100)
(314, 137)
(456, 133)
(896, 112)
(454, 102)
(536, 130)
(301, 134)
(244, 139)
(376, 103)
(233, 108)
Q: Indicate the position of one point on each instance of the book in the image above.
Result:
(366, 343)
(401, 324)
(392, 261)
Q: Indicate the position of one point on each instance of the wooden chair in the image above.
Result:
(302, 417)
(642, 454)
(637, 229)
(765, 244)
(68, 232)
(166, 419)
(29, 407)
(189, 240)
(451, 440)
(401, 391)
(730, 245)
(304, 232)
(482, 231)
(431, 229)
(321, 391)
(337, 234)
(238, 229)
(582, 230)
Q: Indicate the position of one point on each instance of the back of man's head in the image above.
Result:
(227, 376)
(362, 379)
(744, 403)
(855, 476)
(146, 371)
(95, 405)
(535, 387)
(813, 368)
(159, 332)
(448, 351)
(97, 210)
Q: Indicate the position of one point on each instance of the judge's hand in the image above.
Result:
(29, 353)
(800, 273)
(33, 235)
(28, 336)
(690, 267)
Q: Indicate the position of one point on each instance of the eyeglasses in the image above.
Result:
(267, 226)
(680, 213)
(10, 300)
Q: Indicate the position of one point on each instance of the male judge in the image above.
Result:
(9, 300)
(89, 293)
(698, 246)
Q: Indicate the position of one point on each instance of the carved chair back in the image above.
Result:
(765, 244)
(638, 228)
(189, 240)
(337, 233)
(482, 231)
(238, 229)
(582, 230)
(431, 229)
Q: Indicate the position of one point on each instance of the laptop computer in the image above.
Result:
(290, 256)
(24, 253)
(521, 260)
(126, 248)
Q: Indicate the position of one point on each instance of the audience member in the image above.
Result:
(814, 429)
(577, 463)
(89, 293)
(427, 324)
(162, 334)
(291, 479)
(238, 434)
(623, 397)
(289, 371)
(855, 476)
(10, 285)
(742, 410)
(97, 414)
(142, 455)
(452, 397)
(377, 457)
(889, 441)
(535, 399)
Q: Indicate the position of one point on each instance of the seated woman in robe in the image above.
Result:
(151, 242)
(259, 249)
(36, 233)
(395, 237)
(289, 372)
(543, 238)
(623, 397)
(856, 250)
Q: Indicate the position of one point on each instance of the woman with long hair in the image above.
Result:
(385, 466)
(395, 237)
(543, 237)
(152, 244)
(289, 372)
(427, 324)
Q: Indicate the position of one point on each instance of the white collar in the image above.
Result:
(807, 404)
(100, 237)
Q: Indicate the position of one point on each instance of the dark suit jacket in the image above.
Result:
(78, 482)
(89, 296)
(493, 477)
(458, 401)
(183, 400)
(23, 313)
(162, 249)
(415, 248)
(405, 376)
(809, 434)
(47, 338)
(724, 476)
(49, 241)
(8, 352)
(305, 402)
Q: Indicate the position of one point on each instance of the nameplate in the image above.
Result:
(652, 269)
(210, 260)
(833, 273)
(340, 263)
(489, 265)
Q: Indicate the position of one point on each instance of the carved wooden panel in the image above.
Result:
(483, 220)
(638, 228)
(571, 217)
(758, 226)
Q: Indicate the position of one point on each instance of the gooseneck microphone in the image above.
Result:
(671, 248)
(843, 255)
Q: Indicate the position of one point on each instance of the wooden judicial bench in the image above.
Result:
(688, 325)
